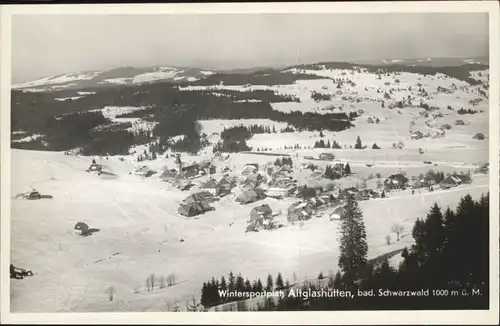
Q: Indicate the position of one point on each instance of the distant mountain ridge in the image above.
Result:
(432, 62)
(113, 77)
(142, 75)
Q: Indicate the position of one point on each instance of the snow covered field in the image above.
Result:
(364, 93)
(111, 113)
(141, 231)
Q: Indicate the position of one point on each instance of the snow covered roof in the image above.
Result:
(209, 184)
(301, 205)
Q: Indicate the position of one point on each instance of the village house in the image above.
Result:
(285, 168)
(328, 198)
(193, 209)
(450, 181)
(280, 178)
(396, 181)
(191, 171)
(226, 185)
(316, 202)
(421, 183)
(326, 156)
(339, 170)
(261, 217)
(281, 191)
(211, 186)
(195, 204)
(455, 180)
(144, 171)
(169, 174)
(256, 165)
(206, 167)
(201, 196)
(181, 183)
(250, 196)
(247, 184)
(95, 168)
(249, 169)
(309, 166)
(338, 212)
(483, 168)
(347, 192)
(368, 194)
(300, 211)
(417, 135)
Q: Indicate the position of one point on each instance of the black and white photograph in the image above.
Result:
(315, 161)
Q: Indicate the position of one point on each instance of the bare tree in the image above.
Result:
(380, 184)
(148, 283)
(111, 292)
(398, 229)
(171, 279)
(162, 282)
(388, 239)
(153, 281)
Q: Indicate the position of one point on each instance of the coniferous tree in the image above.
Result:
(223, 285)
(240, 283)
(260, 287)
(337, 282)
(205, 300)
(279, 282)
(255, 286)
(434, 232)
(248, 285)
(353, 245)
(269, 286)
(231, 282)
(359, 144)
(348, 169)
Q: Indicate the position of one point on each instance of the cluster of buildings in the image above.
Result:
(401, 182)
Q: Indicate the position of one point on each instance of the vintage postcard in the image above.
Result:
(249, 163)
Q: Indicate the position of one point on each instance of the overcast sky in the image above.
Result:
(47, 45)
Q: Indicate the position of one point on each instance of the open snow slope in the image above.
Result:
(141, 230)
(377, 96)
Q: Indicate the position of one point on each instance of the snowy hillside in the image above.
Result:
(417, 122)
(140, 232)
(119, 76)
